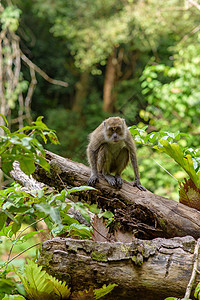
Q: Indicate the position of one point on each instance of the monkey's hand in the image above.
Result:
(93, 180)
(138, 185)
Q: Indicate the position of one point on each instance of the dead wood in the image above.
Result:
(142, 214)
(145, 270)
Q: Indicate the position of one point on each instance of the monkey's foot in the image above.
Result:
(139, 186)
(110, 179)
(93, 180)
(119, 181)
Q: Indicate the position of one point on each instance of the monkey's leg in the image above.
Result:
(104, 164)
(121, 162)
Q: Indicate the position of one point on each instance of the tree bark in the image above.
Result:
(145, 270)
(142, 214)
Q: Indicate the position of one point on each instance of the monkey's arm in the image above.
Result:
(96, 139)
(136, 171)
(92, 158)
(133, 157)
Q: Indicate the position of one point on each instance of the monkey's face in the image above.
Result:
(114, 130)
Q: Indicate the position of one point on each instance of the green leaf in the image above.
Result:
(80, 189)
(35, 282)
(4, 118)
(43, 163)
(3, 218)
(53, 212)
(17, 225)
(7, 163)
(10, 216)
(197, 291)
(5, 129)
(67, 220)
(53, 138)
(80, 230)
(27, 165)
(99, 293)
(15, 297)
(7, 285)
(185, 161)
(106, 214)
(40, 285)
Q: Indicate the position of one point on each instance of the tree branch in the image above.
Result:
(41, 72)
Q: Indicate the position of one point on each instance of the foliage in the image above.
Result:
(21, 147)
(188, 159)
(178, 86)
(10, 18)
(39, 284)
(93, 29)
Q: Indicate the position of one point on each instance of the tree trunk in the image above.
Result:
(108, 100)
(81, 92)
(145, 270)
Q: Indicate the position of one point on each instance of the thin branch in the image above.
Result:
(19, 255)
(194, 3)
(189, 34)
(9, 254)
(42, 73)
(194, 271)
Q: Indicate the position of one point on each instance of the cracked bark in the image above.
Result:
(142, 214)
(145, 270)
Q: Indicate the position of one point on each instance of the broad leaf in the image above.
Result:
(185, 161)
(53, 212)
(27, 165)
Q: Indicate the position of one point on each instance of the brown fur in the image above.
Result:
(109, 150)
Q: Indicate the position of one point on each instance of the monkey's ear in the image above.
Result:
(124, 121)
(104, 123)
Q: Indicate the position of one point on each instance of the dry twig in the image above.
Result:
(194, 271)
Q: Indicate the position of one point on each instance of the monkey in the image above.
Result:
(110, 148)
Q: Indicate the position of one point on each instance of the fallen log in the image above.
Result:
(145, 270)
(142, 214)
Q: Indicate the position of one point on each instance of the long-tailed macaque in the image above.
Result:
(110, 148)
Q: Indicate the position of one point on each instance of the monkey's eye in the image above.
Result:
(111, 129)
(118, 129)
